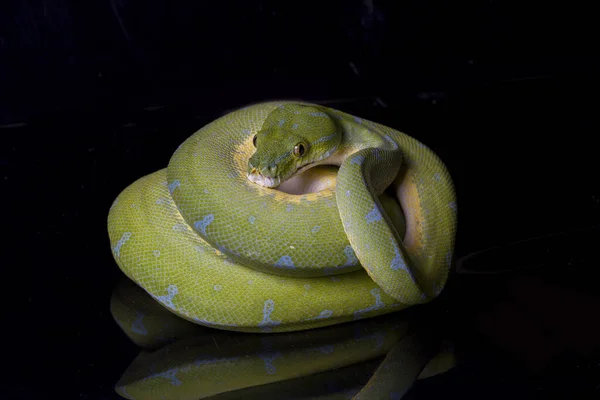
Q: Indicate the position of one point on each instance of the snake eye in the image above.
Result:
(254, 140)
(299, 149)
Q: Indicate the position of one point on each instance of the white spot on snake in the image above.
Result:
(318, 114)
(398, 262)
(205, 191)
(295, 126)
(315, 229)
(325, 139)
(285, 262)
(377, 306)
(170, 375)
(437, 176)
(307, 287)
(322, 315)
(374, 215)
(449, 259)
(217, 288)
(201, 225)
(199, 249)
(167, 300)
(250, 282)
(121, 242)
(246, 131)
(348, 193)
(350, 256)
(268, 309)
(173, 185)
(358, 160)
(358, 120)
(281, 122)
(251, 219)
(180, 227)
(156, 253)
(138, 325)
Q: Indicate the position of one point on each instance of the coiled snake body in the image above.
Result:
(222, 238)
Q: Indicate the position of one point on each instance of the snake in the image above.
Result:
(288, 215)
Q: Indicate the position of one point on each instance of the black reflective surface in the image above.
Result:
(94, 96)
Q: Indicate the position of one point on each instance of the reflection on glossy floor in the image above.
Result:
(182, 360)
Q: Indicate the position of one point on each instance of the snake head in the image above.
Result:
(292, 139)
(274, 163)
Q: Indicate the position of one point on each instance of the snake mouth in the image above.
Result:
(265, 181)
(274, 181)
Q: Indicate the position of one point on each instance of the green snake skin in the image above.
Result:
(214, 241)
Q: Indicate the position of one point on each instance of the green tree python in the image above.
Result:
(286, 216)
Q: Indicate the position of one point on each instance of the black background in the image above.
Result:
(96, 94)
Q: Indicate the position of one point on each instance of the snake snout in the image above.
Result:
(269, 171)
(263, 175)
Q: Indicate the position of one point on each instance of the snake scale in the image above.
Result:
(284, 216)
